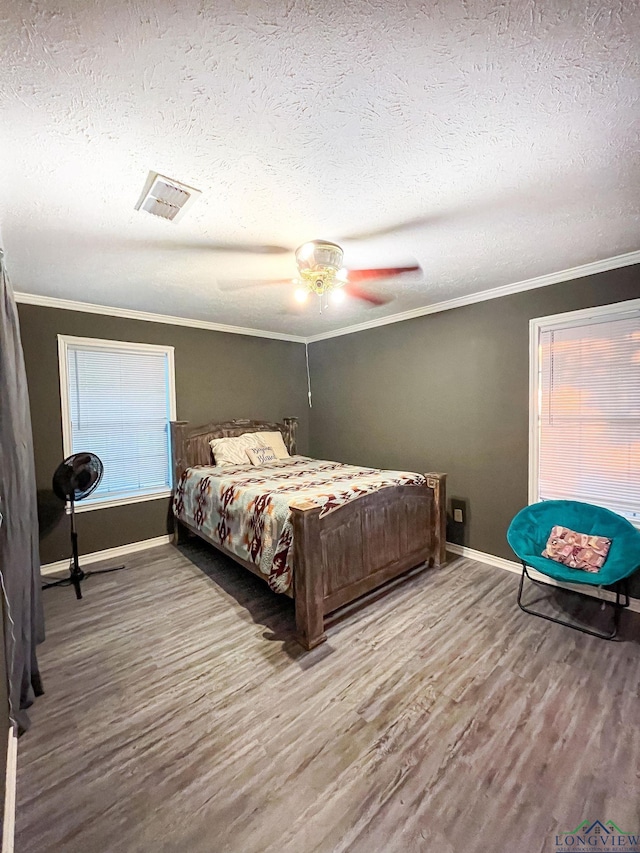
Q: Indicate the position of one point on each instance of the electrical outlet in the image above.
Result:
(458, 516)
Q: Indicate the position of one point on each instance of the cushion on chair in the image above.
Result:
(529, 531)
(577, 550)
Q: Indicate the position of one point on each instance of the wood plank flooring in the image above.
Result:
(180, 716)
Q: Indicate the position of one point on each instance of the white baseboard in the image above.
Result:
(516, 568)
(108, 554)
(9, 822)
(482, 557)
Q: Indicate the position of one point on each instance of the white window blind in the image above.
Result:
(588, 411)
(117, 402)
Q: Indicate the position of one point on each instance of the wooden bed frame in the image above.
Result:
(351, 551)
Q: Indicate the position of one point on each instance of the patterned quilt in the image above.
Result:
(246, 508)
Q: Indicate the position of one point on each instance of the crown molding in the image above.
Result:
(592, 268)
(130, 314)
(616, 262)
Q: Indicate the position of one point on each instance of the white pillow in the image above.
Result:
(232, 450)
(276, 442)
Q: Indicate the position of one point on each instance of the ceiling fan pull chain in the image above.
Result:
(306, 350)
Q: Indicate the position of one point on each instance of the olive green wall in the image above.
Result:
(448, 392)
(218, 376)
(445, 392)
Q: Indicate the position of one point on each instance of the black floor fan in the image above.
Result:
(75, 479)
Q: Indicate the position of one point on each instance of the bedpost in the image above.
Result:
(179, 465)
(178, 449)
(438, 482)
(308, 579)
(291, 425)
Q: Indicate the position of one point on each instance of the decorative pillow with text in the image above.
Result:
(261, 455)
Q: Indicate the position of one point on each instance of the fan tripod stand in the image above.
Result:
(76, 574)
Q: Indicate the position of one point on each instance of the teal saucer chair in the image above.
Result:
(528, 534)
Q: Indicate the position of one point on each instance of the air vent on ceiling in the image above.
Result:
(165, 197)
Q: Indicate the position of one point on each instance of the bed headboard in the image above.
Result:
(190, 445)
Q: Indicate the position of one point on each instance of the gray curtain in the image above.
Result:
(19, 557)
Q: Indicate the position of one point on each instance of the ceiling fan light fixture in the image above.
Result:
(301, 294)
(319, 254)
(320, 266)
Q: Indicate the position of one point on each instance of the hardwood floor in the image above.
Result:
(180, 716)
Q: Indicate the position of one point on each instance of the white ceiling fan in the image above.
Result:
(321, 272)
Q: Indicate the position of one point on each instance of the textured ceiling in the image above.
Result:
(503, 137)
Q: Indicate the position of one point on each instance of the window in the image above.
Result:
(117, 400)
(585, 408)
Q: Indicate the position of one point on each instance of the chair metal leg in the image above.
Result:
(622, 601)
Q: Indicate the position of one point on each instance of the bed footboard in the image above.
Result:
(362, 545)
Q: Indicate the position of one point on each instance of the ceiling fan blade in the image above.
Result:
(204, 246)
(244, 283)
(380, 272)
(397, 227)
(372, 298)
(500, 200)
